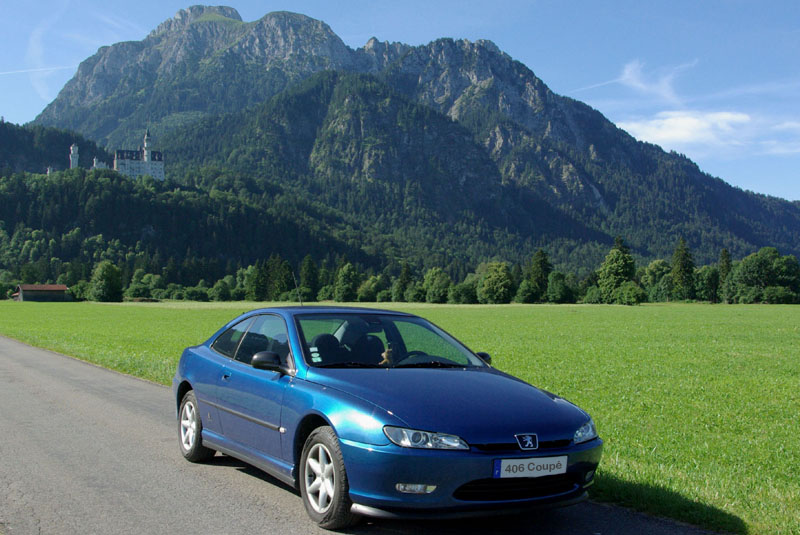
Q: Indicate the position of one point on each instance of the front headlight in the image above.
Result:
(412, 438)
(585, 433)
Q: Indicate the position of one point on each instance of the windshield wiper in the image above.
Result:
(430, 364)
(348, 364)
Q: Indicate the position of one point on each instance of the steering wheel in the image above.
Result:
(411, 355)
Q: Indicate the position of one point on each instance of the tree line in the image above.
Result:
(761, 277)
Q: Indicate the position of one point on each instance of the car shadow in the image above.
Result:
(591, 517)
(222, 460)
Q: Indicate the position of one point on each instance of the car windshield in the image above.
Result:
(349, 340)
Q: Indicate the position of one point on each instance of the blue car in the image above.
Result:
(379, 413)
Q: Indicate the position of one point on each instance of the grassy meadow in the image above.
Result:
(698, 404)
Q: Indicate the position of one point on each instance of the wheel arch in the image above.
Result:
(304, 428)
(184, 387)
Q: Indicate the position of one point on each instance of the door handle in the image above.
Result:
(226, 376)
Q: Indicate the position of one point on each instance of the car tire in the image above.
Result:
(190, 431)
(323, 481)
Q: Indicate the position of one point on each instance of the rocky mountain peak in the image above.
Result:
(184, 17)
(282, 36)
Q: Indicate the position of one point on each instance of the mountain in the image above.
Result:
(451, 147)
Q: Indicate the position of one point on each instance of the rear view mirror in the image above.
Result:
(485, 357)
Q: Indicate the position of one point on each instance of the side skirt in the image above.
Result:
(260, 463)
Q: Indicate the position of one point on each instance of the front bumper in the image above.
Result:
(463, 480)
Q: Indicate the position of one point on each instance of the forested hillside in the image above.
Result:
(35, 148)
(66, 222)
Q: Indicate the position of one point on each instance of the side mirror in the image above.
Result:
(485, 357)
(267, 360)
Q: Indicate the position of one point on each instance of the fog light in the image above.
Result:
(589, 475)
(415, 488)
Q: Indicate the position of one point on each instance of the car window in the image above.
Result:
(267, 333)
(420, 339)
(228, 341)
(377, 340)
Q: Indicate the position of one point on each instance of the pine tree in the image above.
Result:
(401, 283)
(309, 275)
(682, 272)
(538, 272)
(724, 265)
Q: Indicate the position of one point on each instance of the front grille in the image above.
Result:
(515, 488)
(513, 446)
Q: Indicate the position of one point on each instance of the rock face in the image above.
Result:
(552, 150)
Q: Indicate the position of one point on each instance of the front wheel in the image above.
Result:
(190, 429)
(323, 481)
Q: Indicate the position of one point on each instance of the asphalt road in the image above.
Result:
(85, 450)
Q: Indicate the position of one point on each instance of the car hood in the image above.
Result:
(481, 405)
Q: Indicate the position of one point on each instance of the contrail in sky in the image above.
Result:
(45, 69)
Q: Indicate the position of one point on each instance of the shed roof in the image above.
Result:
(43, 287)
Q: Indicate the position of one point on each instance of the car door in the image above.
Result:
(250, 400)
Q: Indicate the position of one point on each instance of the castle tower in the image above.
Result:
(146, 150)
(73, 156)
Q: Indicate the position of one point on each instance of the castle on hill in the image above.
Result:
(140, 162)
(130, 163)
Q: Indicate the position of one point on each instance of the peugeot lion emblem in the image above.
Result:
(527, 441)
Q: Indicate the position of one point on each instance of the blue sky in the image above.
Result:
(717, 80)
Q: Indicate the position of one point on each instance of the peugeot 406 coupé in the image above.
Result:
(379, 413)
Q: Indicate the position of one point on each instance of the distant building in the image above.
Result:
(140, 162)
(41, 292)
(73, 156)
(97, 164)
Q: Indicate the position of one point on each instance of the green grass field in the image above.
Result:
(698, 404)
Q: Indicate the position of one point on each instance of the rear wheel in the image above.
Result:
(323, 481)
(190, 430)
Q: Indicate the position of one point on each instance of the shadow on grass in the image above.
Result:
(664, 502)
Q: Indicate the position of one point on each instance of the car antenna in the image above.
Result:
(297, 288)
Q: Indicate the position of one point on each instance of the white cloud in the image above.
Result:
(659, 85)
(676, 129)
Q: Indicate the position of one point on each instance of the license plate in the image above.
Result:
(533, 467)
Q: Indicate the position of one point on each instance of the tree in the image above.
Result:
(106, 283)
(724, 265)
(279, 272)
(706, 281)
(654, 272)
(558, 291)
(618, 268)
(401, 283)
(496, 285)
(256, 282)
(368, 291)
(436, 284)
(525, 293)
(309, 275)
(347, 282)
(538, 272)
(629, 293)
(749, 278)
(682, 272)
(220, 292)
(466, 292)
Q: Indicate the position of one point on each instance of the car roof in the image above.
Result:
(323, 309)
